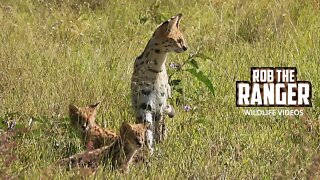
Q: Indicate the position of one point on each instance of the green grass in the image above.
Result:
(54, 54)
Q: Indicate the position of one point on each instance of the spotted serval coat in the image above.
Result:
(120, 153)
(149, 86)
(83, 120)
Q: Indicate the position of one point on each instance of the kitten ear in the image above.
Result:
(147, 125)
(124, 128)
(94, 106)
(73, 109)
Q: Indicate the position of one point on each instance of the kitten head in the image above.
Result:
(82, 118)
(133, 134)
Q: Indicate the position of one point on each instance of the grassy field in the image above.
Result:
(53, 53)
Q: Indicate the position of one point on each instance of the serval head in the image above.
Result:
(82, 118)
(133, 134)
(170, 36)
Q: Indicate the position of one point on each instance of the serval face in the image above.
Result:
(83, 118)
(170, 36)
(133, 135)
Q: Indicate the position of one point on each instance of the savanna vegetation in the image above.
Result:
(53, 53)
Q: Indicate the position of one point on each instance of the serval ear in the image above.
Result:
(73, 109)
(173, 22)
(94, 106)
(124, 128)
(147, 125)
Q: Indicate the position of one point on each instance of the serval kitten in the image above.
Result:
(83, 120)
(120, 153)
